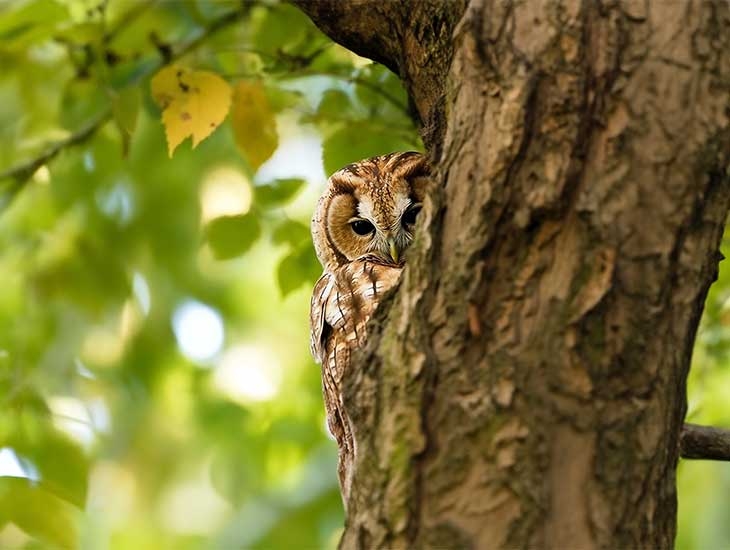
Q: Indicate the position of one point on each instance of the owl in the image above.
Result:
(363, 224)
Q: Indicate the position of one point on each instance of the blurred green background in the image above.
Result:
(156, 388)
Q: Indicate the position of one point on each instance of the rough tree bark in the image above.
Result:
(526, 386)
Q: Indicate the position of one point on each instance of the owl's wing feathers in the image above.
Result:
(319, 330)
(344, 300)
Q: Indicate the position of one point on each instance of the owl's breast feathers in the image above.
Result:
(342, 302)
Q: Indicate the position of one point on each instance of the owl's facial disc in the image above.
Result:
(388, 230)
(370, 208)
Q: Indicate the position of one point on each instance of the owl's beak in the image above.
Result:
(393, 249)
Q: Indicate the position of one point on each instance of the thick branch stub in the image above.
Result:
(413, 38)
(366, 27)
(704, 442)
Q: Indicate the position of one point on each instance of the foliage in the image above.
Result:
(155, 385)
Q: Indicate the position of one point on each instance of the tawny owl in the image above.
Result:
(363, 224)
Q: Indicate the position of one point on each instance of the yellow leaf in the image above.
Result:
(177, 125)
(194, 103)
(166, 85)
(254, 123)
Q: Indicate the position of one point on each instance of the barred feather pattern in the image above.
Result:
(342, 303)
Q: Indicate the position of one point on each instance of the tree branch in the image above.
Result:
(21, 173)
(704, 442)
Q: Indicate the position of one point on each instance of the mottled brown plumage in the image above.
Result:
(363, 225)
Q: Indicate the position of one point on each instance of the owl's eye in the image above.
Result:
(362, 227)
(410, 215)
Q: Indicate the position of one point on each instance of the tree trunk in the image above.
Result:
(526, 385)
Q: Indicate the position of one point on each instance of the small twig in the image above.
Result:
(302, 61)
(353, 80)
(704, 442)
(214, 27)
(21, 173)
(378, 90)
(26, 169)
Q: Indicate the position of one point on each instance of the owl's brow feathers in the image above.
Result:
(394, 166)
(370, 174)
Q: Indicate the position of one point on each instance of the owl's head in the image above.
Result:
(370, 208)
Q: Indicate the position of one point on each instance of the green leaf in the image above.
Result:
(334, 60)
(82, 33)
(83, 99)
(333, 104)
(60, 462)
(34, 21)
(91, 279)
(125, 108)
(39, 512)
(129, 74)
(381, 80)
(357, 141)
(280, 28)
(231, 236)
(291, 232)
(278, 192)
(235, 472)
(281, 98)
(298, 268)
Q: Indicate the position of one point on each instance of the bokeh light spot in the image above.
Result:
(295, 157)
(193, 507)
(117, 203)
(42, 175)
(11, 465)
(112, 492)
(248, 373)
(141, 292)
(225, 192)
(89, 161)
(198, 330)
(71, 416)
(102, 347)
